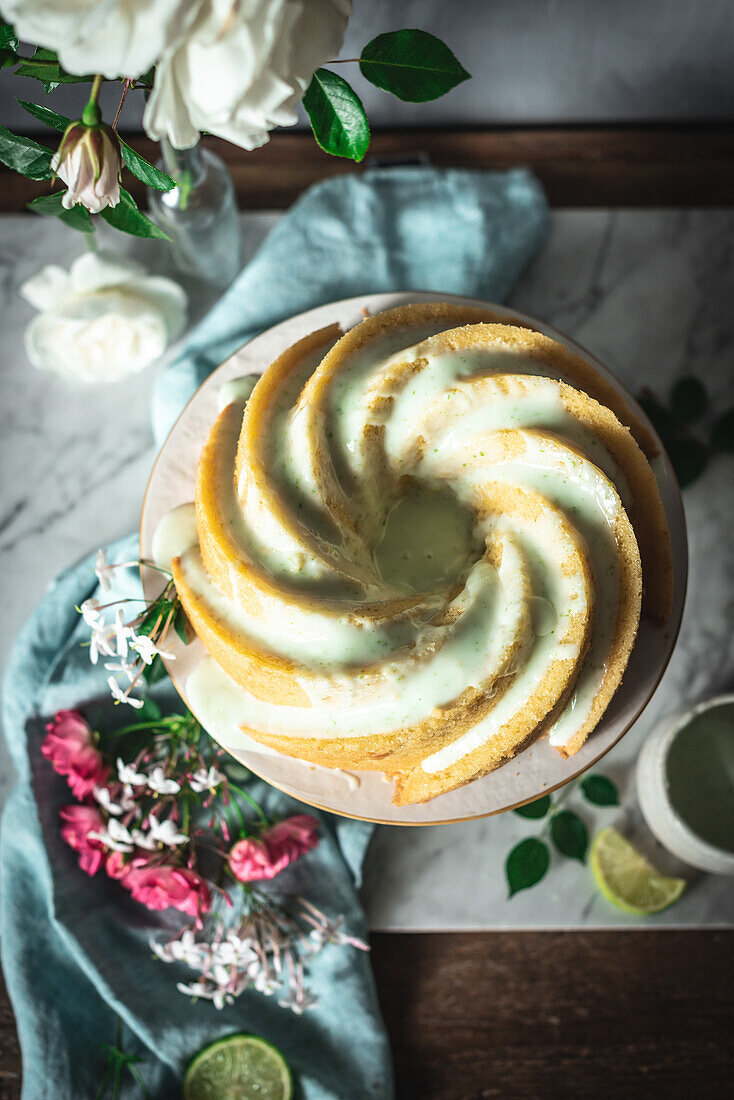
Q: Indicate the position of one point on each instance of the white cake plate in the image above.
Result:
(367, 795)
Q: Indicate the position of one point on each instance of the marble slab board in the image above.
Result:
(649, 292)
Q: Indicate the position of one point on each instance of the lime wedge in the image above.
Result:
(626, 878)
(240, 1067)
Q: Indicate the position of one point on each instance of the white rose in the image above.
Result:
(242, 68)
(102, 319)
(112, 37)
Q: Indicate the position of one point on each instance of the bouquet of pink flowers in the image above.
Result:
(157, 812)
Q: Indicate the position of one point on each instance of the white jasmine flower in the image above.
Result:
(115, 836)
(143, 840)
(122, 696)
(127, 774)
(103, 636)
(298, 1000)
(203, 780)
(103, 795)
(163, 951)
(186, 949)
(194, 989)
(103, 570)
(122, 632)
(123, 667)
(220, 998)
(165, 833)
(220, 975)
(158, 782)
(146, 648)
(91, 612)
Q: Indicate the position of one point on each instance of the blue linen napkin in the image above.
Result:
(75, 949)
(453, 230)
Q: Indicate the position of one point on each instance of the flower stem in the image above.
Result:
(248, 798)
(91, 115)
(127, 84)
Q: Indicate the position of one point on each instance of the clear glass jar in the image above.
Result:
(199, 214)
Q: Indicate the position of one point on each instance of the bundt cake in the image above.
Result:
(424, 543)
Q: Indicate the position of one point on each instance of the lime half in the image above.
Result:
(240, 1067)
(626, 878)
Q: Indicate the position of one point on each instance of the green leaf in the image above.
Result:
(600, 790)
(44, 66)
(128, 219)
(56, 122)
(156, 615)
(688, 399)
(722, 432)
(51, 205)
(149, 712)
(25, 156)
(146, 80)
(179, 625)
(569, 835)
(689, 458)
(536, 809)
(337, 116)
(155, 671)
(526, 864)
(8, 37)
(413, 65)
(8, 45)
(143, 170)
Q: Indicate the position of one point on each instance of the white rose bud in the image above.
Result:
(88, 161)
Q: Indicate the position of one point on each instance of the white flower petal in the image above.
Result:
(242, 68)
(47, 290)
(115, 321)
(114, 37)
(96, 270)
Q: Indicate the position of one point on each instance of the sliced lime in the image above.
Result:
(626, 878)
(239, 1067)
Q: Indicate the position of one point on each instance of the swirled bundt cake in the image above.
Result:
(424, 543)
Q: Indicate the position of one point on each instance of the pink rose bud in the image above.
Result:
(164, 887)
(69, 746)
(78, 823)
(252, 860)
(88, 161)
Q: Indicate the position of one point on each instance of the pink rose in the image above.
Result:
(79, 822)
(115, 865)
(69, 746)
(254, 859)
(164, 887)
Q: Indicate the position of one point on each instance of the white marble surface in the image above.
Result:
(649, 292)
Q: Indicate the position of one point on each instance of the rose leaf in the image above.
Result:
(411, 64)
(337, 116)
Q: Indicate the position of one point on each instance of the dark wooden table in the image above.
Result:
(531, 1015)
(539, 1015)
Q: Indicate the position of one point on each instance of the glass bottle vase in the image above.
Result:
(199, 214)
